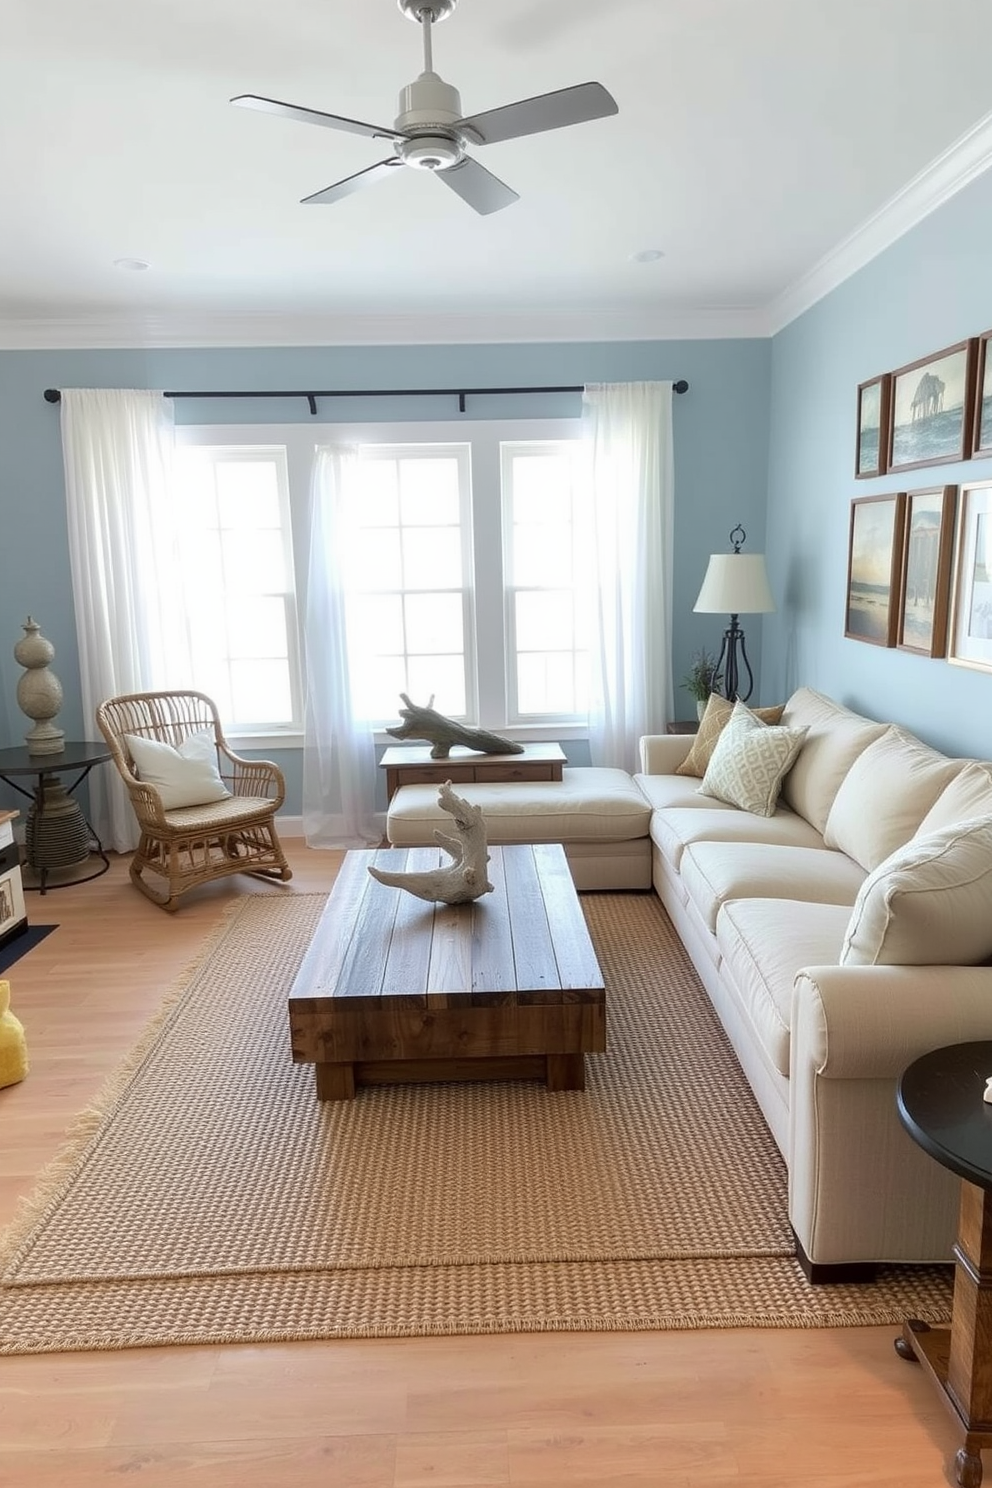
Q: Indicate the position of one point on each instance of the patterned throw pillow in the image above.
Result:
(750, 761)
(711, 726)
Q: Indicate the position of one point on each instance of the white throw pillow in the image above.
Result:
(750, 761)
(187, 776)
(929, 904)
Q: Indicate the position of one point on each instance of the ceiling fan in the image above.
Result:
(430, 133)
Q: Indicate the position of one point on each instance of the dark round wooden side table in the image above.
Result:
(58, 839)
(940, 1101)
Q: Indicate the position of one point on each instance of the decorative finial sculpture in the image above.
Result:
(39, 691)
(464, 878)
(424, 723)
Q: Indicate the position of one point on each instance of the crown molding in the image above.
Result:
(80, 332)
(961, 163)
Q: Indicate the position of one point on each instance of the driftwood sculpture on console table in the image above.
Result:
(424, 723)
(464, 878)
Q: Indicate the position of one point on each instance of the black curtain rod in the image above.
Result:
(53, 395)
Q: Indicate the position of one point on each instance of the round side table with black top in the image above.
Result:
(940, 1102)
(58, 839)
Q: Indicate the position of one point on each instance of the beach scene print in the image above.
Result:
(870, 431)
(922, 568)
(928, 411)
(869, 590)
(985, 407)
(980, 612)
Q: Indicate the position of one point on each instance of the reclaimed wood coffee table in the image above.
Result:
(393, 989)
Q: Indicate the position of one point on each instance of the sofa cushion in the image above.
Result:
(664, 791)
(187, 776)
(929, 904)
(674, 830)
(714, 872)
(764, 943)
(969, 794)
(885, 795)
(749, 762)
(835, 739)
(712, 724)
(586, 805)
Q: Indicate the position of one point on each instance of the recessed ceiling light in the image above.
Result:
(647, 255)
(134, 264)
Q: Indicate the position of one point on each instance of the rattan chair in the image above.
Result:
(192, 845)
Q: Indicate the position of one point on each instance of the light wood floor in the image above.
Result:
(756, 1408)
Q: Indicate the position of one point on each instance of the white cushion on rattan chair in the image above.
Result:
(187, 776)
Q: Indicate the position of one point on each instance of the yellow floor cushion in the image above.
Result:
(13, 1046)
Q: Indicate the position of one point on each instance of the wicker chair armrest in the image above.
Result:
(247, 777)
(147, 803)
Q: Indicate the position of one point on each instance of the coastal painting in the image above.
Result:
(928, 527)
(932, 409)
(873, 565)
(971, 630)
(983, 403)
(874, 402)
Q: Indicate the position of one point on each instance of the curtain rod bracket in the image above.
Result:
(312, 400)
(461, 402)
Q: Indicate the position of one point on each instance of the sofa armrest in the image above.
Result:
(870, 1022)
(660, 753)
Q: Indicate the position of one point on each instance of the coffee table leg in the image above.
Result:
(566, 1072)
(335, 1081)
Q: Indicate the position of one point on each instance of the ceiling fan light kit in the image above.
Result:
(431, 134)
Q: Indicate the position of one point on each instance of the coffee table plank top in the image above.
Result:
(527, 943)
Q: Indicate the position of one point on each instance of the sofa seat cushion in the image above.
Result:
(664, 791)
(674, 829)
(834, 740)
(764, 943)
(930, 903)
(968, 794)
(588, 804)
(885, 795)
(714, 872)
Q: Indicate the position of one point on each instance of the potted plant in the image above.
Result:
(702, 679)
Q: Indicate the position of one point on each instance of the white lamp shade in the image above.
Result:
(735, 584)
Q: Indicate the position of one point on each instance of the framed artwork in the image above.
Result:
(933, 409)
(874, 562)
(11, 900)
(924, 585)
(874, 407)
(971, 599)
(982, 443)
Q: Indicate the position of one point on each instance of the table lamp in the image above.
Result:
(736, 584)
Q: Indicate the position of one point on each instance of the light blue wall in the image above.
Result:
(929, 290)
(721, 442)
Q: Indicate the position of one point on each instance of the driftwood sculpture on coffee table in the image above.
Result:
(465, 877)
(441, 732)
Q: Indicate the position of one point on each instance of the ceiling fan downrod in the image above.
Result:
(426, 13)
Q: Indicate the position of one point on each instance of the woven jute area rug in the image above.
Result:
(211, 1198)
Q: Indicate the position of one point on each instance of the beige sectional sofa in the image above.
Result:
(787, 919)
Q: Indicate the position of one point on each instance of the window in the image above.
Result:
(239, 594)
(466, 560)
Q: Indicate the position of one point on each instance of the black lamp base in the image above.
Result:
(734, 665)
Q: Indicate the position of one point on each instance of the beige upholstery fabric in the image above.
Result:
(666, 791)
(929, 904)
(969, 794)
(712, 724)
(763, 943)
(673, 830)
(661, 754)
(750, 761)
(835, 739)
(885, 795)
(715, 872)
(586, 805)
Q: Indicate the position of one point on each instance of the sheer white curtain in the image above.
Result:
(628, 433)
(117, 447)
(339, 769)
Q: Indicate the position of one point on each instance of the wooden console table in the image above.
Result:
(941, 1106)
(412, 765)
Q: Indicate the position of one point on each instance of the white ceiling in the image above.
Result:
(754, 139)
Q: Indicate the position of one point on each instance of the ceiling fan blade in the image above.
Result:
(537, 115)
(477, 186)
(354, 183)
(314, 116)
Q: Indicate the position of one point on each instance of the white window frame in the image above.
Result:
(485, 580)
